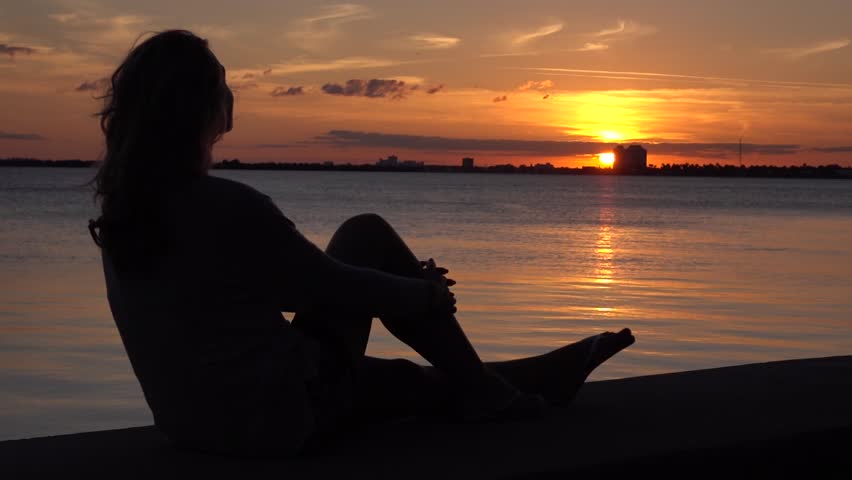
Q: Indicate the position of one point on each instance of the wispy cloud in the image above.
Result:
(101, 34)
(541, 32)
(723, 81)
(215, 32)
(93, 85)
(509, 54)
(349, 138)
(623, 29)
(797, 53)
(89, 19)
(435, 89)
(321, 30)
(12, 50)
(536, 85)
(434, 42)
(287, 91)
(373, 88)
(272, 145)
(349, 63)
(339, 13)
(593, 47)
(844, 149)
(243, 86)
(20, 136)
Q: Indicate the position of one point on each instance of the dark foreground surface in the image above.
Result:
(779, 420)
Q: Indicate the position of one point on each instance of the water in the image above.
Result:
(707, 272)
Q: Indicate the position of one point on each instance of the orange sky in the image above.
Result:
(539, 81)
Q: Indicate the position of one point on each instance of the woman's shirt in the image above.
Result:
(219, 365)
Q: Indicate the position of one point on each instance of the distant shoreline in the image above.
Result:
(666, 170)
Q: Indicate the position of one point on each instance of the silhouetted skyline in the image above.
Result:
(669, 170)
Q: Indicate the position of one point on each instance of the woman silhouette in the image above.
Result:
(199, 270)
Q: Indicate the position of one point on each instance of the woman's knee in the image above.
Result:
(360, 240)
(371, 222)
(366, 226)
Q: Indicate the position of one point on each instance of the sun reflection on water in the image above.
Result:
(603, 276)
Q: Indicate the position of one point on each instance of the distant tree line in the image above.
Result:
(762, 171)
(682, 170)
(666, 169)
(34, 162)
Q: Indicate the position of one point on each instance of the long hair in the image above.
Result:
(164, 107)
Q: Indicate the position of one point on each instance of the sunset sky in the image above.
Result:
(505, 82)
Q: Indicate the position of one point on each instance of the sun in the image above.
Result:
(606, 159)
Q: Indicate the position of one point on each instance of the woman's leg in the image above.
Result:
(369, 241)
(392, 386)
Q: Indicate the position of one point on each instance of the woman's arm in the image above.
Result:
(303, 277)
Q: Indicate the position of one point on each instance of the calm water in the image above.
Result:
(707, 272)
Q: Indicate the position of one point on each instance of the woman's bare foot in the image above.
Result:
(579, 360)
(559, 374)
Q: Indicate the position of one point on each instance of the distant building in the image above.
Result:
(391, 161)
(631, 159)
(467, 163)
(394, 162)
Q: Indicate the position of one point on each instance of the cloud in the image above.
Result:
(509, 54)
(624, 29)
(723, 81)
(373, 88)
(536, 85)
(348, 138)
(500, 98)
(593, 47)
(287, 91)
(544, 31)
(340, 13)
(88, 19)
(797, 53)
(324, 28)
(20, 136)
(845, 149)
(272, 145)
(93, 32)
(348, 63)
(12, 50)
(434, 42)
(435, 89)
(92, 86)
(243, 86)
(215, 32)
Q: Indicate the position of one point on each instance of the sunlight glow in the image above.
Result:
(610, 135)
(606, 159)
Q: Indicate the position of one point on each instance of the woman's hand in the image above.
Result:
(442, 300)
